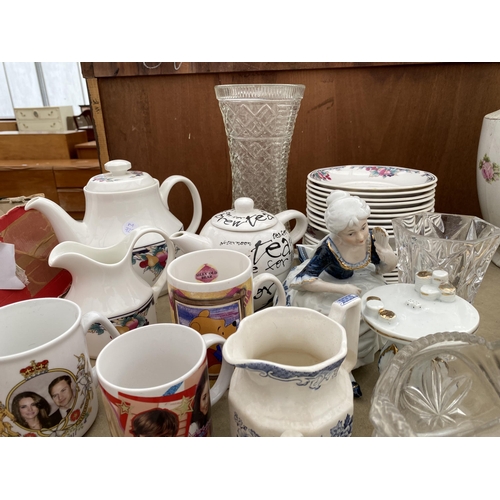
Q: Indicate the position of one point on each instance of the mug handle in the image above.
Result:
(222, 383)
(260, 278)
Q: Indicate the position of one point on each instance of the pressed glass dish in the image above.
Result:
(444, 384)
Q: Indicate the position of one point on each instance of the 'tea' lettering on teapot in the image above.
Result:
(273, 255)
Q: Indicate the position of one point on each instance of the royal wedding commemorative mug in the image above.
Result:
(154, 382)
(46, 382)
(212, 290)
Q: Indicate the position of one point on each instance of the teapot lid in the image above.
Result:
(119, 178)
(244, 217)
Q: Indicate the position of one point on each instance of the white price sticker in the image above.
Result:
(128, 227)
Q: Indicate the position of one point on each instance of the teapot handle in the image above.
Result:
(169, 183)
(300, 223)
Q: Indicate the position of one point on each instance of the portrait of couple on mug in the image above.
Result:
(162, 422)
(33, 411)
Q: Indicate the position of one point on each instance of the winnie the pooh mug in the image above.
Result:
(212, 290)
(47, 387)
(154, 382)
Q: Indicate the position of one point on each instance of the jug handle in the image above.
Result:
(88, 320)
(162, 280)
(339, 313)
(300, 223)
(226, 371)
(257, 280)
(169, 183)
(137, 234)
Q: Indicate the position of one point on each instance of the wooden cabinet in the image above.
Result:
(40, 145)
(43, 162)
(45, 118)
(423, 116)
(87, 150)
(61, 181)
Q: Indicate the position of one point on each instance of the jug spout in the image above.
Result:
(65, 227)
(78, 259)
(190, 242)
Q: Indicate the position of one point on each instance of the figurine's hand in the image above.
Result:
(351, 290)
(381, 239)
(318, 285)
(388, 258)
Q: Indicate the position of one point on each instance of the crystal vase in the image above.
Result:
(259, 120)
(462, 245)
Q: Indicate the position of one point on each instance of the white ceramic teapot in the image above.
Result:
(291, 374)
(103, 280)
(258, 234)
(116, 203)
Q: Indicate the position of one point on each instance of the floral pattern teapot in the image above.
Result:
(261, 236)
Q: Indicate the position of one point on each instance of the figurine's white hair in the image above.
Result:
(344, 211)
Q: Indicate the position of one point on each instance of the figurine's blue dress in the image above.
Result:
(324, 261)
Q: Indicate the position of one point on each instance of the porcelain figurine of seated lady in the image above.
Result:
(350, 260)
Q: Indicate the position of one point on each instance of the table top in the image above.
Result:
(417, 317)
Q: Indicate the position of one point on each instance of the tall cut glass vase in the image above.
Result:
(259, 120)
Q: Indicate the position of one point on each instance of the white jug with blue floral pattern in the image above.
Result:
(292, 368)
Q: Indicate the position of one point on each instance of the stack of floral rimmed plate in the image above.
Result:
(390, 191)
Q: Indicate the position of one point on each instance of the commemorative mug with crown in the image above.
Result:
(47, 388)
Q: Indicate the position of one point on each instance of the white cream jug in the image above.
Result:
(103, 280)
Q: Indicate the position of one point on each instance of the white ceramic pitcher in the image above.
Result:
(103, 280)
(291, 372)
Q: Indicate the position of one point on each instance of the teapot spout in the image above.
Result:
(190, 242)
(65, 227)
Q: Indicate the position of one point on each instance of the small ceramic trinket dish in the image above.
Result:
(422, 278)
(386, 315)
(429, 292)
(448, 292)
(373, 307)
(439, 276)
